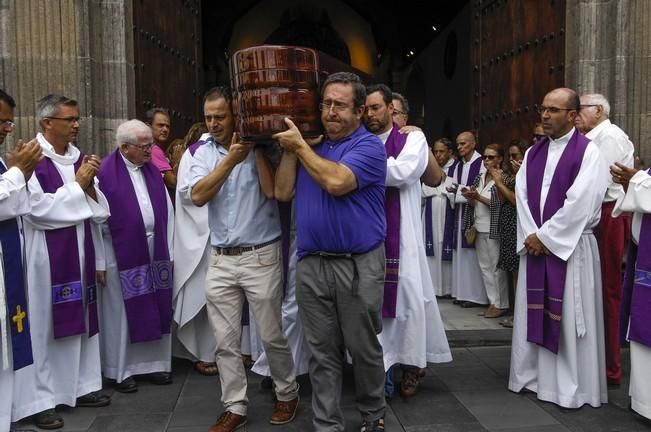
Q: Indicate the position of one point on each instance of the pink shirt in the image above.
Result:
(159, 159)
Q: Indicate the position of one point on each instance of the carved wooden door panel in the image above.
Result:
(167, 57)
(517, 56)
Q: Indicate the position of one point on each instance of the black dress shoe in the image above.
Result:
(93, 400)
(160, 378)
(129, 385)
(48, 419)
(469, 304)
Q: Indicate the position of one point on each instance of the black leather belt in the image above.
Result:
(239, 250)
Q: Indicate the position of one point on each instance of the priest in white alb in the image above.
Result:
(636, 302)
(558, 349)
(195, 337)
(15, 338)
(412, 330)
(62, 236)
(136, 302)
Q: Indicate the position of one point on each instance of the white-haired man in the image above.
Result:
(136, 302)
(612, 232)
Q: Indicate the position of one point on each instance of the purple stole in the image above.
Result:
(146, 284)
(463, 208)
(636, 301)
(394, 145)
(63, 252)
(447, 227)
(546, 274)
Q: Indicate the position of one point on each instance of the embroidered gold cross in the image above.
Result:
(18, 318)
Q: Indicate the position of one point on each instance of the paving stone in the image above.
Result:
(130, 423)
(431, 409)
(502, 409)
(457, 427)
(471, 378)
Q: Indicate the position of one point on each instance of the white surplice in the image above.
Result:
(467, 282)
(440, 271)
(416, 335)
(195, 339)
(66, 368)
(577, 374)
(14, 202)
(638, 201)
(292, 326)
(121, 358)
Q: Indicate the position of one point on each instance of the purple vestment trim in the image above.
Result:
(636, 301)
(473, 172)
(394, 145)
(63, 252)
(546, 274)
(146, 284)
(448, 227)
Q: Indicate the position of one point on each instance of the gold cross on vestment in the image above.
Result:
(18, 318)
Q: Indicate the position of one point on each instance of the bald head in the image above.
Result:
(558, 110)
(466, 144)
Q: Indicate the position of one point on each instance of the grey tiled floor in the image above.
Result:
(468, 394)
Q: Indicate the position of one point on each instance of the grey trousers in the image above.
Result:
(340, 304)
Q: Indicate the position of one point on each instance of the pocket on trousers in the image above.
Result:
(269, 255)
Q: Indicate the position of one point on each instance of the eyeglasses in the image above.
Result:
(144, 147)
(588, 106)
(67, 119)
(335, 106)
(489, 157)
(396, 112)
(7, 123)
(552, 110)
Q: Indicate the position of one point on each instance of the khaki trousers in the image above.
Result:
(256, 275)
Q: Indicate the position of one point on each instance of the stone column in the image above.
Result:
(608, 51)
(80, 48)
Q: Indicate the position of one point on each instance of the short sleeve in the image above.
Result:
(159, 159)
(368, 161)
(198, 165)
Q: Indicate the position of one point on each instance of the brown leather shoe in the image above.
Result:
(228, 422)
(410, 381)
(284, 412)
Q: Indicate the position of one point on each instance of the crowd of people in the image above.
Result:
(302, 254)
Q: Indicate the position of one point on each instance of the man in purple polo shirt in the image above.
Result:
(558, 330)
(339, 187)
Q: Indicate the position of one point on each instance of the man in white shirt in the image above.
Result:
(612, 232)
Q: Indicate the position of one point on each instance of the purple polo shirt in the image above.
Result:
(352, 223)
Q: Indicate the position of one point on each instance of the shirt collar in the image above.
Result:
(597, 129)
(562, 140)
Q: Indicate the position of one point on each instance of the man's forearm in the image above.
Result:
(433, 174)
(286, 177)
(265, 173)
(335, 178)
(210, 185)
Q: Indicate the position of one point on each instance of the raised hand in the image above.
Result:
(25, 157)
(86, 172)
(622, 174)
(291, 139)
(238, 150)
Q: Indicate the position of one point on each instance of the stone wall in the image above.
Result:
(608, 51)
(80, 48)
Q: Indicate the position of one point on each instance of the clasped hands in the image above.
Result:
(534, 246)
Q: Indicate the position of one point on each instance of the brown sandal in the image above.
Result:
(205, 368)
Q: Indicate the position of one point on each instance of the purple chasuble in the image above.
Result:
(394, 145)
(63, 252)
(546, 274)
(636, 301)
(473, 172)
(448, 226)
(146, 284)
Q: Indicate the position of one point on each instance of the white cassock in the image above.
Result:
(577, 374)
(292, 326)
(440, 271)
(121, 358)
(467, 282)
(196, 340)
(416, 335)
(14, 202)
(638, 200)
(67, 368)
